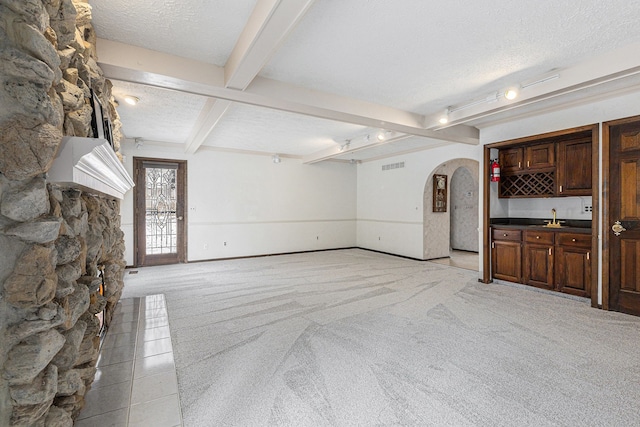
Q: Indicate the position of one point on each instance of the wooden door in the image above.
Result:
(622, 221)
(160, 222)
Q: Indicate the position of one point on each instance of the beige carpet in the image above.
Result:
(357, 338)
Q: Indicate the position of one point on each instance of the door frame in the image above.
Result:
(595, 199)
(139, 209)
(606, 214)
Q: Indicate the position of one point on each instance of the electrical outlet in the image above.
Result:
(587, 209)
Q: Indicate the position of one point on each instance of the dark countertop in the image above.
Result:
(569, 225)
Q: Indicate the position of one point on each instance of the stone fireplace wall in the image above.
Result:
(57, 244)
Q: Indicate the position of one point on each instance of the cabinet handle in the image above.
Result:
(493, 245)
(505, 234)
(537, 237)
(588, 255)
(561, 188)
(528, 163)
(573, 240)
(550, 253)
(519, 164)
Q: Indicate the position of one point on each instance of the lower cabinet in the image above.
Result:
(554, 260)
(573, 264)
(506, 254)
(538, 258)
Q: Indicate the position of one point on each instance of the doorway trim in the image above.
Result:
(436, 229)
(139, 209)
(595, 199)
(606, 216)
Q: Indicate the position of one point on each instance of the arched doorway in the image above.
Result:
(464, 211)
(437, 240)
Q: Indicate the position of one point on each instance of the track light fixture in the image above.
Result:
(512, 93)
(444, 118)
(276, 158)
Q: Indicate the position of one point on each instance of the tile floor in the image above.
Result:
(460, 259)
(136, 383)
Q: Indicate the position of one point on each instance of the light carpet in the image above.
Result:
(357, 338)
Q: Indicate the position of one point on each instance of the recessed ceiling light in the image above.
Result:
(131, 100)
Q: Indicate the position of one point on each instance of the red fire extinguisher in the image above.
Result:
(495, 171)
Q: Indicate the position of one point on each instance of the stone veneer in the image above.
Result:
(54, 241)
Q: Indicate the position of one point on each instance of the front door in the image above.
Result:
(622, 222)
(160, 211)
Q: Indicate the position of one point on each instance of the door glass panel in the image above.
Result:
(161, 221)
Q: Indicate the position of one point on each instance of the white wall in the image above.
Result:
(255, 206)
(390, 202)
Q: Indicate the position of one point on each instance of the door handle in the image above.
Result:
(617, 228)
(179, 218)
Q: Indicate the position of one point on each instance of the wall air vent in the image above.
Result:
(393, 166)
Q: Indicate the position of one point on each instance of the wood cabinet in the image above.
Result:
(559, 166)
(540, 156)
(573, 264)
(554, 260)
(538, 258)
(506, 254)
(511, 160)
(575, 170)
(529, 158)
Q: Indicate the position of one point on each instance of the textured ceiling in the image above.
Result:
(205, 30)
(414, 55)
(424, 55)
(252, 128)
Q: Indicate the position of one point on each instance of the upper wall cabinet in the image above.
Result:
(549, 166)
(521, 159)
(574, 168)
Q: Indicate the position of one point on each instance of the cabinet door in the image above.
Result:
(511, 159)
(573, 272)
(574, 168)
(506, 260)
(538, 266)
(540, 156)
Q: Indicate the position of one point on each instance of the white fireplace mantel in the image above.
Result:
(90, 164)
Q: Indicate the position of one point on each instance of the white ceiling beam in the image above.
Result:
(615, 65)
(269, 25)
(370, 141)
(138, 65)
(352, 146)
(212, 112)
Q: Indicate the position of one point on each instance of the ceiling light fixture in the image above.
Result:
(131, 100)
(276, 158)
(512, 93)
(381, 136)
(444, 119)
